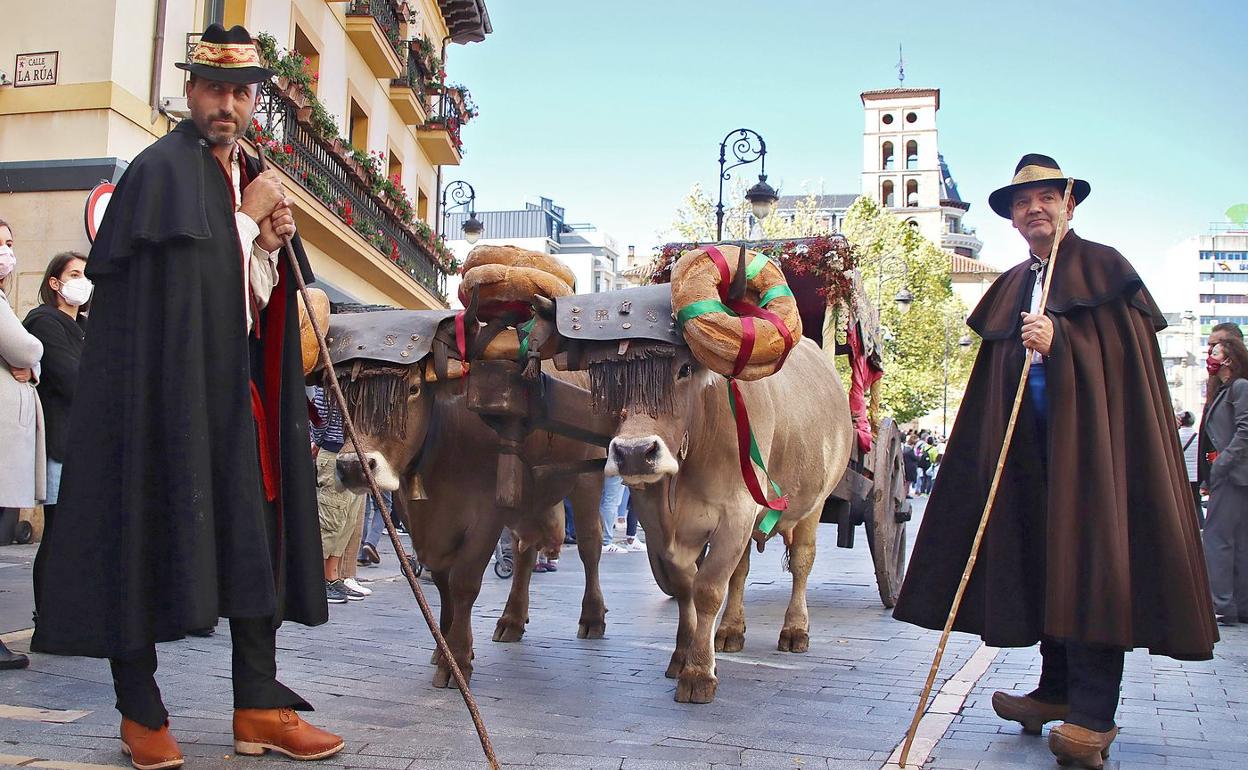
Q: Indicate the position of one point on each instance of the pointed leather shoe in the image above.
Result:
(1032, 714)
(149, 749)
(1077, 746)
(281, 730)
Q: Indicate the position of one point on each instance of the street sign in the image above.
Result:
(36, 69)
(97, 203)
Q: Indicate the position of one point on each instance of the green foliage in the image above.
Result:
(1238, 213)
(323, 123)
(695, 217)
(914, 361)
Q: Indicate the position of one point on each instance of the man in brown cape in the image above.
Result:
(1092, 548)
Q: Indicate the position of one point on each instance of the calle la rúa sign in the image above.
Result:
(36, 69)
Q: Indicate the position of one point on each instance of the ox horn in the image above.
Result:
(544, 307)
(737, 289)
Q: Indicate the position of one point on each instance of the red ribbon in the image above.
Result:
(745, 439)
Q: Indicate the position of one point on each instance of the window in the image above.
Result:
(357, 127)
(395, 167)
(912, 154)
(887, 119)
(886, 193)
(422, 205)
(1225, 277)
(911, 117)
(912, 192)
(1228, 299)
(305, 48)
(886, 156)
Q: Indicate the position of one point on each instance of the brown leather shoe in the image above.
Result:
(1079, 746)
(258, 730)
(149, 749)
(1032, 714)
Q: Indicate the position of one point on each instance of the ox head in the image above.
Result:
(392, 408)
(658, 395)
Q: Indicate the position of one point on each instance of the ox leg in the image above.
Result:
(682, 584)
(446, 610)
(465, 585)
(585, 498)
(697, 681)
(515, 617)
(795, 635)
(731, 634)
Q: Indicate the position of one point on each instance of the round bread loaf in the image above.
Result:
(308, 345)
(715, 337)
(513, 256)
(503, 289)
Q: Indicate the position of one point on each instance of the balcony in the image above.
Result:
(440, 135)
(373, 26)
(407, 94)
(342, 216)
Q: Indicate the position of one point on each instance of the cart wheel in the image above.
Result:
(886, 533)
(24, 532)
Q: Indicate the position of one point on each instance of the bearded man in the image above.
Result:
(1092, 548)
(188, 491)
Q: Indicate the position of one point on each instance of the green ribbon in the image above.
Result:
(695, 309)
(779, 290)
(527, 329)
(756, 266)
(756, 455)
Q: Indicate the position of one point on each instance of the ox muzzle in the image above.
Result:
(351, 471)
(640, 459)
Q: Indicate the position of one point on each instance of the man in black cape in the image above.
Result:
(188, 490)
(1092, 547)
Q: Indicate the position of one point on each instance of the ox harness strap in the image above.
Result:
(747, 447)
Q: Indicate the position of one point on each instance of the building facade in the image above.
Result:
(592, 255)
(373, 90)
(1221, 260)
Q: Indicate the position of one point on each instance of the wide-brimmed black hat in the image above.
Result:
(229, 56)
(1034, 169)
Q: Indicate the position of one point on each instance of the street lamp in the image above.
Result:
(461, 193)
(762, 196)
(964, 344)
(904, 298)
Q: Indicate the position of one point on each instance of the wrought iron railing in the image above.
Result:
(446, 112)
(414, 78)
(325, 175)
(385, 14)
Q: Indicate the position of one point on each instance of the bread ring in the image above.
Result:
(308, 346)
(500, 287)
(513, 256)
(715, 338)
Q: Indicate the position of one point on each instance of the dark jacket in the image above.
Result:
(1226, 424)
(1093, 537)
(62, 339)
(911, 463)
(162, 524)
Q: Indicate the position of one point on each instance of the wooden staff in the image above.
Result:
(1059, 233)
(373, 489)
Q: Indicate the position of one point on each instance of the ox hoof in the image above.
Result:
(508, 630)
(793, 640)
(442, 678)
(729, 640)
(591, 629)
(675, 667)
(695, 688)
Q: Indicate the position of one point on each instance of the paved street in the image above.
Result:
(553, 701)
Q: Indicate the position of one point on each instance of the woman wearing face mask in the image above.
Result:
(21, 421)
(58, 323)
(1226, 524)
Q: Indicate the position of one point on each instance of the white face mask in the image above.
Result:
(76, 291)
(7, 261)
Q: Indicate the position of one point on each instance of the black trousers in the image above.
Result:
(254, 672)
(1086, 677)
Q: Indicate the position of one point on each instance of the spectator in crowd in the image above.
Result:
(911, 465)
(22, 474)
(626, 520)
(1226, 528)
(608, 508)
(338, 508)
(1188, 435)
(1203, 447)
(59, 325)
(373, 527)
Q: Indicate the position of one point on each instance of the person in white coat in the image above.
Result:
(23, 472)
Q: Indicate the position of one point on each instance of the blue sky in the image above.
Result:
(615, 109)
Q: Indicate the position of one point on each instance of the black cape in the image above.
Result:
(162, 524)
(1093, 538)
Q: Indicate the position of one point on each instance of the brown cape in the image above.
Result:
(1100, 547)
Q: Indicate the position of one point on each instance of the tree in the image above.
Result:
(695, 217)
(914, 358)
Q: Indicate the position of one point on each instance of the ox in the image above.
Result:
(452, 454)
(680, 460)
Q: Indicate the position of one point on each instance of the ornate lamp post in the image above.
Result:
(904, 298)
(964, 344)
(461, 193)
(761, 196)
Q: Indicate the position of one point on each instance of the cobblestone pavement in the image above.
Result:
(554, 701)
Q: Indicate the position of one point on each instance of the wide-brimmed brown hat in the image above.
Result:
(229, 56)
(1034, 169)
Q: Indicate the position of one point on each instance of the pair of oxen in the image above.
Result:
(675, 447)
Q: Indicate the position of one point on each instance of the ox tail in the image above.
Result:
(784, 560)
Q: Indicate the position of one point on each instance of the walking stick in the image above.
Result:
(992, 490)
(373, 489)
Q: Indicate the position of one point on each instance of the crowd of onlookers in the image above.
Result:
(921, 456)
